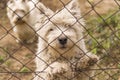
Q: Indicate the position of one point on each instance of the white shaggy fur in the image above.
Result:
(23, 15)
(61, 53)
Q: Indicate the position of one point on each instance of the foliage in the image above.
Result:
(104, 35)
(1, 59)
(24, 69)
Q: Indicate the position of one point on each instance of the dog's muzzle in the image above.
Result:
(63, 42)
(19, 20)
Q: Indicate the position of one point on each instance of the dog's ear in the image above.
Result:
(44, 10)
(74, 8)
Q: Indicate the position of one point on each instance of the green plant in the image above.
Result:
(24, 69)
(1, 59)
(8, 63)
(105, 31)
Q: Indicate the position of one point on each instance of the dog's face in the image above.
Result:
(17, 11)
(62, 32)
(61, 37)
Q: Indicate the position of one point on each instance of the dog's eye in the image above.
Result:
(10, 1)
(23, 0)
(68, 25)
(51, 29)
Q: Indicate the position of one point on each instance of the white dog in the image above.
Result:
(23, 15)
(62, 54)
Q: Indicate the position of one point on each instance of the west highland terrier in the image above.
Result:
(62, 54)
(23, 15)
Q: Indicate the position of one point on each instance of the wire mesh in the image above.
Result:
(101, 34)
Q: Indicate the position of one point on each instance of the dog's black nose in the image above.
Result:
(19, 18)
(62, 41)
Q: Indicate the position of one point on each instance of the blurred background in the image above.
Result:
(102, 37)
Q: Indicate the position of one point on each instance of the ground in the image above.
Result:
(17, 60)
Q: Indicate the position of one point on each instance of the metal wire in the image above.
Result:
(103, 43)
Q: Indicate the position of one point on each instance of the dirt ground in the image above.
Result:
(17, 60)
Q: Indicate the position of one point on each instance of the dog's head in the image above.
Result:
(17, 11)
(64, 30)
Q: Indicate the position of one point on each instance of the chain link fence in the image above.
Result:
(101, 34)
